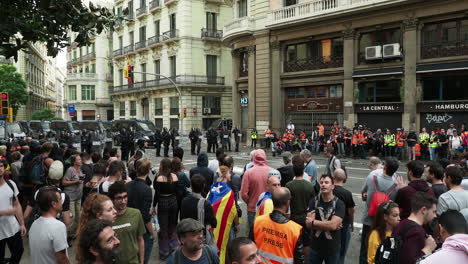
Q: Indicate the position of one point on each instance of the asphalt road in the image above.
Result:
(357, 172)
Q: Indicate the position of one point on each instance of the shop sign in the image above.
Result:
(459, 106)
(378, 108)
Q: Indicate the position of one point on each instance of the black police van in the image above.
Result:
(142, 129)
(66, 132)
(40, 129)
(94, 136)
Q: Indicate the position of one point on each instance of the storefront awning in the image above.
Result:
(378, 72)
(438, 67)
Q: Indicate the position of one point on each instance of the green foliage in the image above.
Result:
(44, 114)
(49, 21)
(13, 83)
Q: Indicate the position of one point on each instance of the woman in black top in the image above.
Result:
(166, 192)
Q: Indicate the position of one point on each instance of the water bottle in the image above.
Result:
(156, 224)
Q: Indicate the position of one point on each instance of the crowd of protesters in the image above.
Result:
(113, 211)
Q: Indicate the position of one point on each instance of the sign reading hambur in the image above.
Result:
(455, 106)
(378, 108)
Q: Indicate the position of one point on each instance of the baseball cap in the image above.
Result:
(189, 225)
(56, 170)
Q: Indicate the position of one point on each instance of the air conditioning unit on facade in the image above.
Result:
(391, 50)
(206, 111)
(373, 53)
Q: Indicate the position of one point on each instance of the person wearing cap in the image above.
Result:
(265, 204)
(54, 179)
(192, 248)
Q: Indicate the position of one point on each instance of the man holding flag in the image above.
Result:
(265, 203)
(222, 198)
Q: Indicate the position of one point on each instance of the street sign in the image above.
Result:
(71, 108)
(244, 100)
(72, 113)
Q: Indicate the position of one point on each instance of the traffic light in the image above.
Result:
(130, 74)
(5, 104)
(185, 112)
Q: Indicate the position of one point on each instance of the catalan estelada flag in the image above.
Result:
(264, 204)
(221, 197)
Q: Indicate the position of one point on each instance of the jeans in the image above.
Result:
(251, 219)
(345, 238)
(341, 149)
(315, 146)
(75, 208)
(149, 241)
(316, 258)
(364, 238)
(432, 153)
(15, 244)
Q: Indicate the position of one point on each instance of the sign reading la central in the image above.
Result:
(372, 108)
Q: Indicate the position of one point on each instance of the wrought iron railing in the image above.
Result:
(140, 45)
(444, 49)
(128, 49)
(211, 33)
(174, 33)
(313, 64)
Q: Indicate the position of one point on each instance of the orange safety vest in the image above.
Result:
(362, 138)
(276, 242)
(291, 136)
(417, 150)
(285, 137)
(355, 140)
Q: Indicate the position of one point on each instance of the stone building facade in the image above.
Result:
(383, 63)
(180, 40)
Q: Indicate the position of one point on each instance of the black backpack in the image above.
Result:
(8, 182)
(389, 250)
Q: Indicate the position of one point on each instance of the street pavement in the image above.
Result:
(357, 172)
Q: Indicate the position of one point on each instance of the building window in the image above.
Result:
(130, 8)
(142, 33)
(380, 91)
(157, 30)
(211, 21)
(157, 69)
(133, 108)
(293, 2)
(143, 69)
(174, 123)
(122, 109)
(211, 64)
(444, 39)
(120, 42)
(158, 106)
(120, 77)
(172, 22)
(72, 92)
(378, 38)
(158, 122)
(211, 105)
(131, 37)
(244, 64)
(87, 92)
(242, 8)
(445, 88)
(93, 68)
(173, 66)
(174, 105)
(142, 3)
(313, 55)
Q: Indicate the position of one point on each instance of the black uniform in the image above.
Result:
(237, 138)
(226, 139)
(166, 137)
(193, 136)
(175, 138)
(158, 141)
(212, 140)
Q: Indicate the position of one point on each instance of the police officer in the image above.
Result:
(158, 141)
(226, 138)
(389, 143)
(193, 137)
(132, 142)
(212, 140)
(166, 137)
(253, 137)
(199, 140)
(424, 143)
(237, 137)
(268, 137)
(175, 138)
(125, 144)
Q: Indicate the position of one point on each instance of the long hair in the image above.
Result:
(92, 206)
(379, 224)
(177, 165)
(165, 169)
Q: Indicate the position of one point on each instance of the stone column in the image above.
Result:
(410, 47)
(348, 84)
(277, 104)
(252, 90)
(235, 93)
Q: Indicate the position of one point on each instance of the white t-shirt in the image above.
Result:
(213, 165)
(47, 236)
(9, 226)
(456, 142)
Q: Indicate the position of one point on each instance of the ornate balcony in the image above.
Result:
(89, 56)
(211, 34)
(81, 76)
(142, 11)
(237, 28)
(170, 35)
(154, 5)
(154, 41)
(129, 49)
(130, 17)
(320, 8)
(117, 53)
(140, 45)
(313, 64)
(179, 79)
(446, 49)
(170, 2)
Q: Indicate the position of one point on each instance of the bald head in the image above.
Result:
(281, 197)
(339, 175)
(48, 162)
